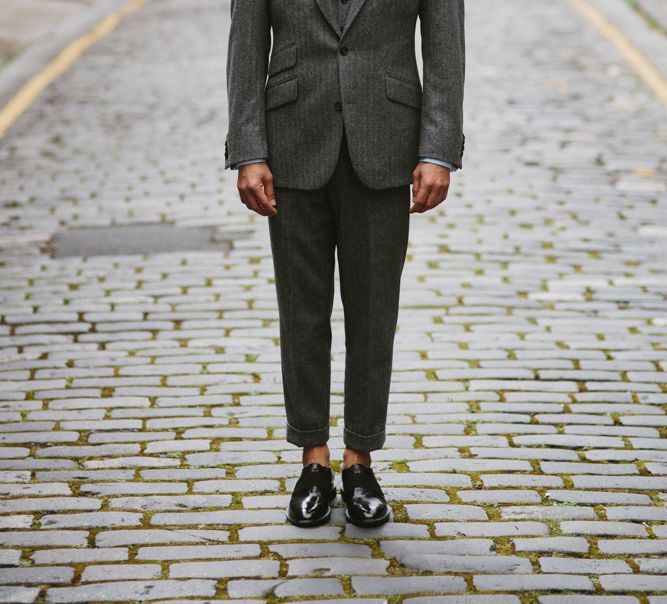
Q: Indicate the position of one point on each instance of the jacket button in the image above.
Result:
(338, 105)
(344, 50)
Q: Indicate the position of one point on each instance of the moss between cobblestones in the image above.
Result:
(567, 481)
(493, 512)
(503, 545)
(554, 526)
(347, 584)
(535, 467)
(399, 466)
(399, 512)
(470, 428)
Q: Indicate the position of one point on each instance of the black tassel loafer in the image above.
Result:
(311, 497)
(366, 504)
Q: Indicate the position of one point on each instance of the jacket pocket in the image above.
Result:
(402, 91)
(281, 92)
(282, 59)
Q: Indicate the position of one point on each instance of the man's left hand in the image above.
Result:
(430, 183)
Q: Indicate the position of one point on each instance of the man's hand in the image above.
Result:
(430, 183)
(255, 185)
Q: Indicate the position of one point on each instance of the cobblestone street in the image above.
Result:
(141, 415)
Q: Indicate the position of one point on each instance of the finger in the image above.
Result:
(263, 201)
(445, 190)
(420, 199)
(434, 198)
(248, 199)
(270, 193)
(416, 184)
(417, 206)
(265, 208)
(257, 202)
(416, 181)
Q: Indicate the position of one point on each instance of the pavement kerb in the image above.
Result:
(36, 58)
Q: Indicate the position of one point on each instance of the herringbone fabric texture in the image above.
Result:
(291, 108)
(369, 231)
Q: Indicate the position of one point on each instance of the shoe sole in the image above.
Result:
(313, 521)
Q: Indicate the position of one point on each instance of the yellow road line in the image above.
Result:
(27, 95)
(647, 71)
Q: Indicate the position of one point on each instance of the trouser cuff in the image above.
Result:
(362, 442)
(307, 438)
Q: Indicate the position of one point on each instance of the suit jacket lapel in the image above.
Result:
(355, 7)
(329, 9)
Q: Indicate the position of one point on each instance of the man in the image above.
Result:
(327, 148)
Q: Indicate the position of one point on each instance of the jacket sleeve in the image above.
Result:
(247, 63)
(443, 53)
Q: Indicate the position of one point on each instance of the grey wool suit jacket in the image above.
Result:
(291, 107)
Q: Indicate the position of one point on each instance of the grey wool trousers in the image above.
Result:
(368, 231)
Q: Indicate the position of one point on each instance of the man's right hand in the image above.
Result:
(255, 185)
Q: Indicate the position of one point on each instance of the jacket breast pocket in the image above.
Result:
(281, 92)
(403, 91)
(282, 58)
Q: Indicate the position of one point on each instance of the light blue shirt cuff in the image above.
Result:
(247, 161)
(440, 162)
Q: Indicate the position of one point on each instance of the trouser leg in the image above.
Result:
(372, 239)
(302, 237)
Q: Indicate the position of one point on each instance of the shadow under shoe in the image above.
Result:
(311, 497)
(363, 496)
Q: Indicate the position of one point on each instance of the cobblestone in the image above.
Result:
(131, 590)
(585, 567)
(567, 545)
(466, 564)
(225, 568)
(403, 585)
(284, 587)
(633, 582)
(337, 566)
(120, 572)
(532, 582)
(142, 424)
(570, 599)
(491, 529)
(463, 600)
